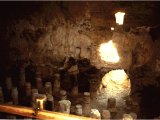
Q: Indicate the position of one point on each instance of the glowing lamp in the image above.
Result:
(108, 52)
(112, 28)
(40, 101)
(119, 18)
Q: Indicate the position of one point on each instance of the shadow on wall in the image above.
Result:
(150, 102)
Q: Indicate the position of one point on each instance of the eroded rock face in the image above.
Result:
(144, 49)
(65, 40)
(47, 41)
(134, 50)
(51, 44)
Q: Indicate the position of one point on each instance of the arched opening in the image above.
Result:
(117, 85)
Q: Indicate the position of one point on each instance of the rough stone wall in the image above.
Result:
(61, 30)
(58, 33)
(62, 36)
(135, 49)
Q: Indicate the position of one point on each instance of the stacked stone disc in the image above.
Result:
(86, 104)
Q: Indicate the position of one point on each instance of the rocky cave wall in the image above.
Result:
(61, 29)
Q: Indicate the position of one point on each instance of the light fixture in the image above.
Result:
(112, 28)
(119, 17)
(108, 52)
(40, 98)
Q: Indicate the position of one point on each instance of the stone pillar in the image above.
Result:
(72, 109)
(34, 93)
(111, 106)
(28, 89)
(50, 103)
(1, 95)
(39, 84)
(48, 88)
(57, 84)
(74, 91)
(95, 114)
(113, 112)
(34, 90)
(14, 95)
(9, 116)
(22, 77)
(63, 95)
(106, 114)
(8, 90)
(111, 103)
(93, 88)
(87, 97)
(86, 104)
(38, 71)
(75, 109)
(9, 84)
(64, 106)
(78, 110)
(134, 115)
(127, 117)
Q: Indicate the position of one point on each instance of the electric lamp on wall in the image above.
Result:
(119, 18)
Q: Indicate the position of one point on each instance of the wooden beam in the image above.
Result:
(28, 112)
